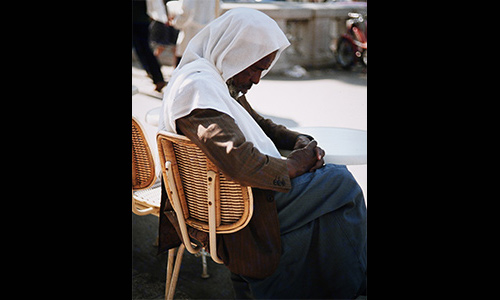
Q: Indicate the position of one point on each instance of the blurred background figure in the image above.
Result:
(162, 34)
(190, 16)
(143, 11)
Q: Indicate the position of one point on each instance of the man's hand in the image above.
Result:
(301, 142)
(306, 159)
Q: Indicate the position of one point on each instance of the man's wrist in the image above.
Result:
(306, 136)
(302, 141)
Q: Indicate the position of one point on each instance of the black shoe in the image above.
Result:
(160, 85)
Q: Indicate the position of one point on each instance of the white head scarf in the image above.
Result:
(222, 49)
(236, 40)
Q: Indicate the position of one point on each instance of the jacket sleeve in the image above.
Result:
(222, 141)
(282, 137)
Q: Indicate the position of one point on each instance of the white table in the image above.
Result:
(343, 146)
(153, 116)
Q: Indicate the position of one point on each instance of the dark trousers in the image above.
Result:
(140, 41)
(323, 222)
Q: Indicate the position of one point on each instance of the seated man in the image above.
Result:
(307, 236)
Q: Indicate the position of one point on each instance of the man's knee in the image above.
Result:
(342, 175)
(341, 172)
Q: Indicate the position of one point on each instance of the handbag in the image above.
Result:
(162, 34)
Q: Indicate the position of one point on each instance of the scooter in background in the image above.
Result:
(352, 45)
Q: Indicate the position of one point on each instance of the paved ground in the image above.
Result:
(149, 269)
(322, 98)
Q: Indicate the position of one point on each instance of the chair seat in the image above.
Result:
(150, 197)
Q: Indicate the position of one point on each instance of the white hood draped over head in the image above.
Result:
(225, 47)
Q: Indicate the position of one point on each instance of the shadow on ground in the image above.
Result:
(149, 269)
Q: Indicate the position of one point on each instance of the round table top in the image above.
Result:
(343, 146)
(153, 116)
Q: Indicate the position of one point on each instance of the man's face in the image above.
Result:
(244, 80)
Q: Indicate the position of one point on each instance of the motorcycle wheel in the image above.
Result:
(345, 54)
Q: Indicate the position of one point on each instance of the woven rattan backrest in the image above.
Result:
(143, 166)
(234, 203)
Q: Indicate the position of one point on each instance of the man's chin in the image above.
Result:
(244, 90)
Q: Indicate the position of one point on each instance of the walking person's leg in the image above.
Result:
(140, 41)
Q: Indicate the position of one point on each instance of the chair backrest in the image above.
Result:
(191, 170)
(143, 165)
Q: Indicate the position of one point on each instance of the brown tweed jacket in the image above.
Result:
(255, 250)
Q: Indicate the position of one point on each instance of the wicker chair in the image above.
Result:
(146, 197)
(146, 190)
(200, 194)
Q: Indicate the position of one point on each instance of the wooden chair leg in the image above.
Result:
(170, 264)
(173, 275)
